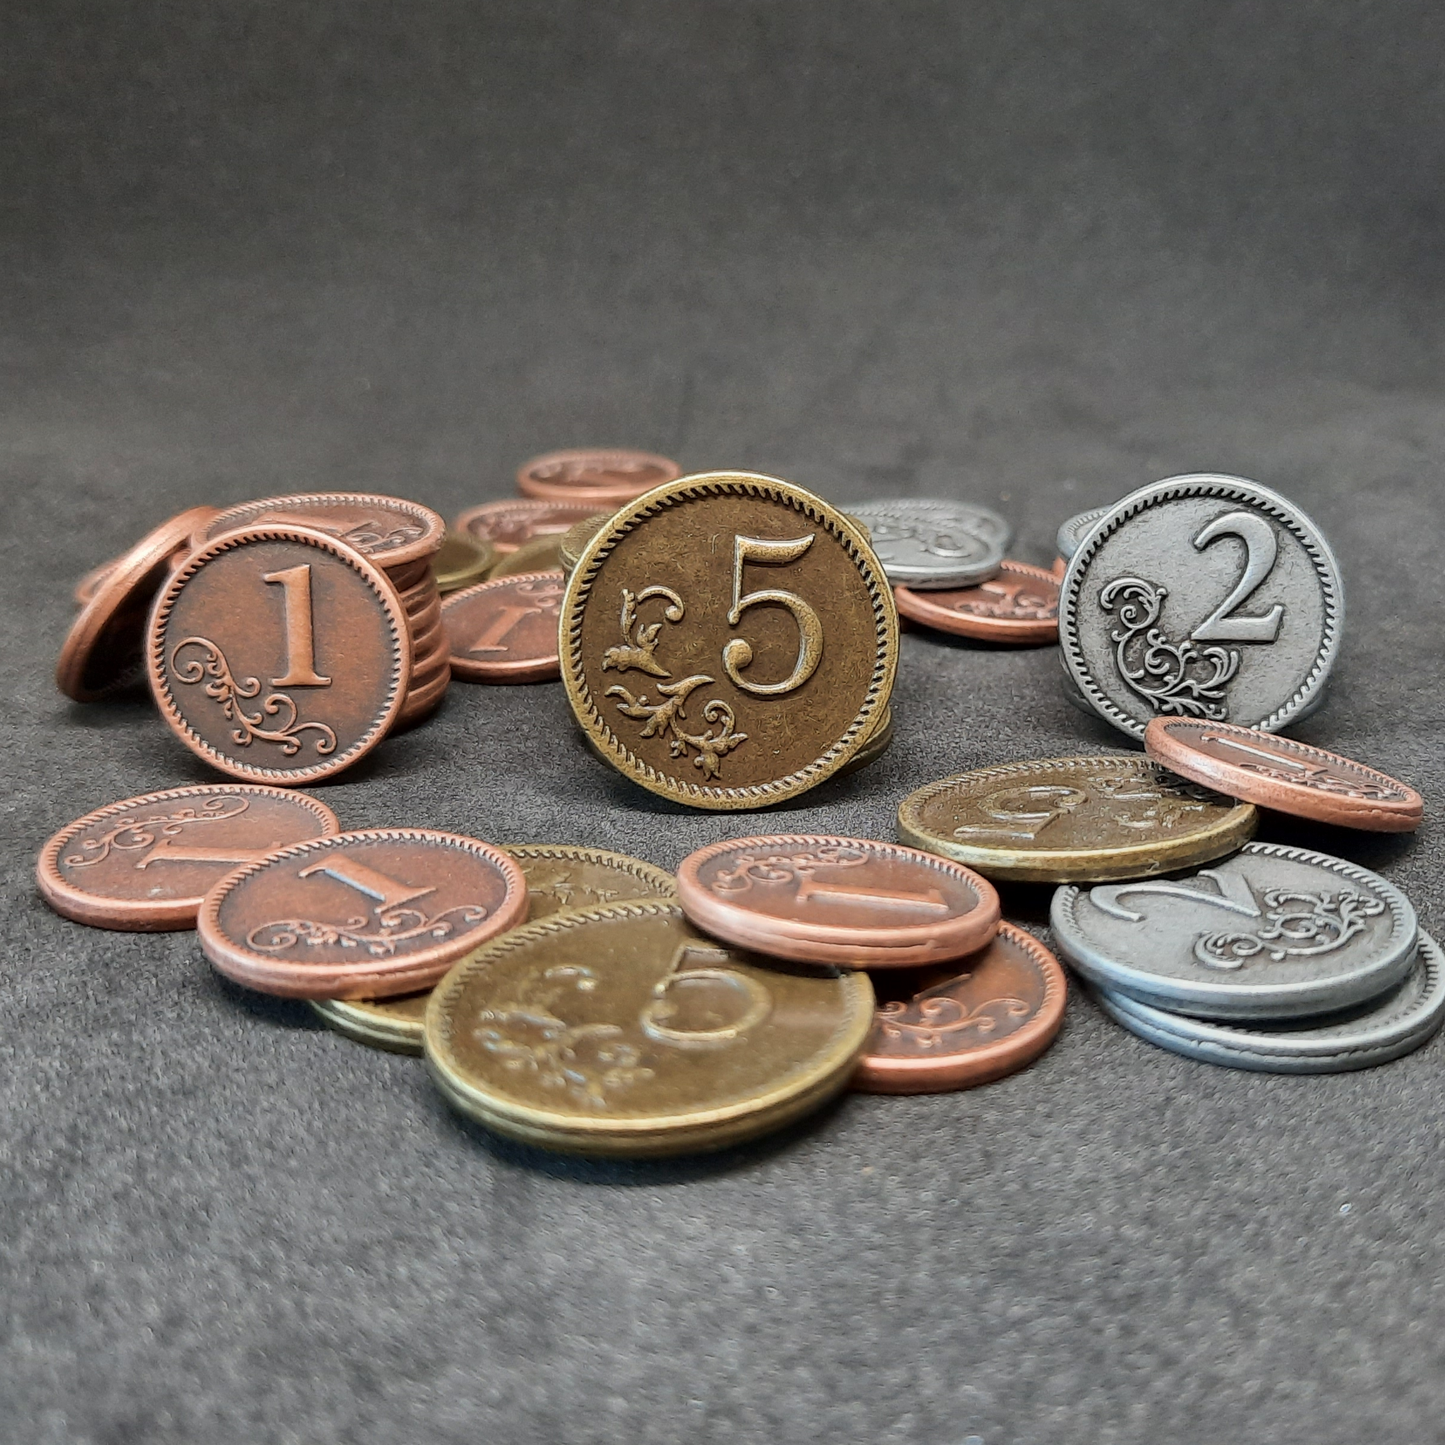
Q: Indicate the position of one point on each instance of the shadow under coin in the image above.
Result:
(287, 1013)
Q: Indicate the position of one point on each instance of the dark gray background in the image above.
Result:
(1034, 254)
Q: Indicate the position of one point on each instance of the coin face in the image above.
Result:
(541, 554)
(1273, 932)
(729, 641)
(604, 477)
(1202, 596)
(507, 524)
(390, 530)
(623, 1031)
(1072, 532)
(144, 864)
(1406, 1017)
(506, 630)
(462, 561)
(928, 544)
(279, 655)
(954, 1025)
(847, 901)
(1061, 820)
(360, 915)
(104, 650)
(1020, 606)
(1283, 774)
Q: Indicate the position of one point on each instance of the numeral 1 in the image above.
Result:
(387, 892)
(300, 637)
(505, 620)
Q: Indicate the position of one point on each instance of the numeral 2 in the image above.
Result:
(1261, 548)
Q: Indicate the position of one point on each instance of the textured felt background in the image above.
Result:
(1032, 253)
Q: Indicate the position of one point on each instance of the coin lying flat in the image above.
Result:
(928, 544)
(1382, 1029)
(623, 1031)
(509, 523)
(1062, 820)
(1280, 773)
(847, 901)
(145, 863)
(462, 561)
(559, 877)
(104, 650)
(366, 914)
(959, 1024)
(279, 655)
(1273, 932)
(505, 630)
(1020, 606)
(729, 640)
(541, 554)
(605, 477)
(1072, 532)
(1202, 596)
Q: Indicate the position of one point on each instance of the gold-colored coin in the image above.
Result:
(575, 539)
(1074, 820)
(538, 555)
(463, 561)
(558, 877)
(623, 1031)
(878, 743)
(729, 640)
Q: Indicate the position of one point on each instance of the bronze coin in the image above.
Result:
(420, 601)
(279, 655)
(730, 640)
(422, 703)
(390, 530)
(104, 650)
(603, 476)
(955, 1025)
(1291, 777)
(878, 744)
(144, 864)
(541, 554)
(428, 636)
(88, 585)
(507, 524)
(411, 579)
(575, 539)
(1020, 605)
(852, 902)
(462, 561)
(1072, 820)
(505, 630)
(366, 914)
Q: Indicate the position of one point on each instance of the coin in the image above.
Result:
(505, 630)
(390, 530)
(462, 561)
(729, 640)
(1273, 932)
(104, 649)
(1020, 605)
(1280, 773)
(622, 1031)
(1201, 596)
(507, 524)
(954, 1025)
(605, 477)
(1072, 532)
(278, 654)
(558, 877)
(541, 554)
(1374, 1032)
(575, 539)
(366, 914)
(1061, 820)
(879, 741)
(144, 864)
(88, 585)
(928, 544)
(847, 901)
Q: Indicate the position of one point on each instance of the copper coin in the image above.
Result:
(390, 530)
(411, 578)
(144, 864)
(360, 915)
(105, 647)
(507, 524)
(279, 655)
(1279, 773)
(1020, 605)
(462, 561)
(852, 902)
(541, 554)
(947, 1027)
(606, 477)
(88, 585)
(422, 704)
(505, 630)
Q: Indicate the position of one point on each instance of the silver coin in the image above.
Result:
(1072, 532)
(1201, 596)
(1386, 1028)
(1271, 933)
(933, 544)
(1075, 698)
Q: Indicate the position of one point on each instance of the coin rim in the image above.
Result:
(1073, 530)
(1074, 865)
(721, 484)
(453, 579)
(1231, 488)
(464, 519)
(933, 579)
(343, 1016)
(527, 486)
(915, 606)
(423, 548)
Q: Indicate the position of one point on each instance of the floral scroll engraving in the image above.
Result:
(941, 1018)
(1297, 925)
(769, 868)
(394, 926)
(136, 833)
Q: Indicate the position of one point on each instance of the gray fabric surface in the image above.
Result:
(1034, 255)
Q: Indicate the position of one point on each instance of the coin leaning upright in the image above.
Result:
(1201, 596)
(728, 640)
